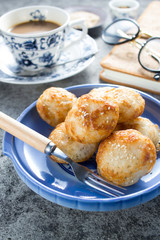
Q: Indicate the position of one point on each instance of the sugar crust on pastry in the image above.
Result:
(125, 156)
(92, 119)
(108, 115)
(54, 104)
(131, 103)
(78, 152)
(144, 126)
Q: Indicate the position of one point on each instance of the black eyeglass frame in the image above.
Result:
(157, 75)
(126, 40)
(148, 40)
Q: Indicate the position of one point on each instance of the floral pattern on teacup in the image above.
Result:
(37, 15)
(36, 52)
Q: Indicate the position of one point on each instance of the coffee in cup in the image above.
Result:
(32, 27)
(41, 48)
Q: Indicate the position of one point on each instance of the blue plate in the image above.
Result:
(57, 183)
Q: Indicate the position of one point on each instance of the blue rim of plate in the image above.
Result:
(10, 72)
(94, 201)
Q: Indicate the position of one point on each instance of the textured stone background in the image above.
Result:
(26, 215)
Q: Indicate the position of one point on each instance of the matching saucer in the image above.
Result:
(82, 53)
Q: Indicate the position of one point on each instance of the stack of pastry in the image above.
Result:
(107, 120)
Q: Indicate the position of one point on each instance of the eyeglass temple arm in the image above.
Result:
(123, 34)
(141, 34)
(150, 51)
(136, 42)
(145, 34)
(140, 44)
(118, 35)
(153, 54)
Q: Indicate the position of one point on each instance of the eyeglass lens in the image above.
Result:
(120, 31)
(149, 55)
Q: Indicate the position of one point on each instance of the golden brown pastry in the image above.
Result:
(125, 156)
(92, 119)
(131, 104)
(144, 126)
(101, 91)
(54, 104)
(78, 152)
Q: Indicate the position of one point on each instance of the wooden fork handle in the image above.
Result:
(23, 132)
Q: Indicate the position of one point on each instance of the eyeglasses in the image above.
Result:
(127, 30)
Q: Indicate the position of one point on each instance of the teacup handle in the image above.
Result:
(79, 22)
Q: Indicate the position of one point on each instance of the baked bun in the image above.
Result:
(78, 152)
(131, 104)
(101, 91)
(54, 104)
(144, 126)
(91, 119)
(125, 156)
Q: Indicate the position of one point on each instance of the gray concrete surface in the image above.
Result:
(27, 216)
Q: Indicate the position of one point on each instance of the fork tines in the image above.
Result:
(102, 185)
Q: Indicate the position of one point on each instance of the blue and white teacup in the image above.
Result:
(38, 51)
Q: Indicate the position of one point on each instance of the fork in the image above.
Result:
(45, 145)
